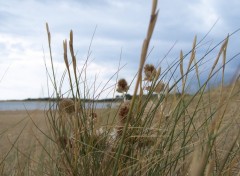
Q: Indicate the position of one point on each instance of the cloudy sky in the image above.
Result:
(120, 29)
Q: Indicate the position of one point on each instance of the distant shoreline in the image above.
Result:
(54, 99)
(45, 104)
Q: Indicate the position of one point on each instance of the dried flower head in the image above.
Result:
(150, 72)
(66, 106)
(122, 86)
(123, 111)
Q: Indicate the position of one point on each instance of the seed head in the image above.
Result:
(122, 86)
(150, 72)
(66, 106)
(123, 112)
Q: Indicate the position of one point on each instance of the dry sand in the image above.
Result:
(20, 125)
(24, 129)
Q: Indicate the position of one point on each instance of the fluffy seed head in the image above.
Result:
(66, 106)
(122, 86)
(150, 72)
(123, 111)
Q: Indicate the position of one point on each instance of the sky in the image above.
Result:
(120, 27)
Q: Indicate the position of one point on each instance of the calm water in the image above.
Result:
(40, 105)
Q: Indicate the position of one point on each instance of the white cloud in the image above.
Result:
(203, 15)
(121, 24)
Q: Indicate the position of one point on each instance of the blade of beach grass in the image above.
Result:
(13, 126)
(224, 58)
(5, 72)
(192, 57)
(146, 42)
(67, 66)
(15, 141)
(74, 63)
(29, 156)
(50, 52)
(223, 47)
(193, 52)
(181, 71)
(227, 155)
(145, 45)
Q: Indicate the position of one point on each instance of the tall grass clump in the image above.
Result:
(165, 131)
(162, 130)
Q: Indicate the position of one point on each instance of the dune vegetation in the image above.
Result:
(162, 130)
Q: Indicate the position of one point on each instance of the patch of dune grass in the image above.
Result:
(165, 131)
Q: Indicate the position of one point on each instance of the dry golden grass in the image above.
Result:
(171, 134)
(30, 143)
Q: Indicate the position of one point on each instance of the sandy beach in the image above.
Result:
(23, 129)
(18, 128)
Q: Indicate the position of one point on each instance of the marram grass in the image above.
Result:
(164, 131)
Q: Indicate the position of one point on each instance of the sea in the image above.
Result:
(45, 105)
